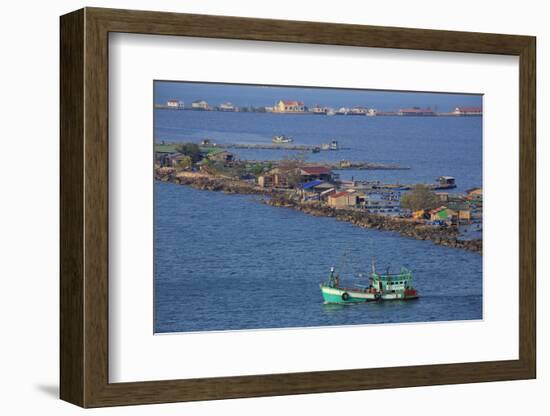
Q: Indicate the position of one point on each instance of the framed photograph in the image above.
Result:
(256, 207)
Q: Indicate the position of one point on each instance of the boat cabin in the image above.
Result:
(392, 282)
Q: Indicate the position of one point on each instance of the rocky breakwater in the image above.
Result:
(446, 236)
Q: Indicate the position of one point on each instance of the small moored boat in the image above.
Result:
(333, 145)
(282, 139)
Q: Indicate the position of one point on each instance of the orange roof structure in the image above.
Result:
(292, 103)
(316, 170)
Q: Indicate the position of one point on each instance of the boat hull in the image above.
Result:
(341, 295)
(397, 296)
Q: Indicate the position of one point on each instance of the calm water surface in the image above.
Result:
(430, 146)
(226, 262)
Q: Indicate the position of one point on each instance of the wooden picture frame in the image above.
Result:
(84, 207)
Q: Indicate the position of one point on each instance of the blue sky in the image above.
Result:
(259, 95)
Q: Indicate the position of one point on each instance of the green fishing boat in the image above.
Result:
(381, 287)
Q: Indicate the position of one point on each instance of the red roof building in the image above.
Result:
(293, 103)
(315, 170)
(174, 104)
(311, 173)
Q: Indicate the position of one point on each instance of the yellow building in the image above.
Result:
(342, 200)
(464, 214)
(285, 106)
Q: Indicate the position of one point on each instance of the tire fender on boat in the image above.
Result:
(345, 296)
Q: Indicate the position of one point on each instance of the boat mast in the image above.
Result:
(342, 263)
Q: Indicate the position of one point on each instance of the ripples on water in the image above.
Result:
(430, 146)
(227, 262)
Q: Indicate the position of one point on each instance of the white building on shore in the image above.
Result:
(200, 105)
(175, 104)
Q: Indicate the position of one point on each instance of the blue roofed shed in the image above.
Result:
(311, 184)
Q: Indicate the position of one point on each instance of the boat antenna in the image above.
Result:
(373, 265)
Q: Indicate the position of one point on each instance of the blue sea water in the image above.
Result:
(226, 262)
(429, 146)
(229, 262)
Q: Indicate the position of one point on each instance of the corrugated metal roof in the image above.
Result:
(339, 194)
(311, 184)
(438, 209)
(328, 191)
(165, 148)
(292, 103)
(316, 170)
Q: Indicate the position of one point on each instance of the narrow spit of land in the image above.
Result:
(442, 235)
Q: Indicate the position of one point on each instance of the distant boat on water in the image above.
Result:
(333, 145)
(282, 139)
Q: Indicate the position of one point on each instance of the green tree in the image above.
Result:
(256, 169)
(185, 163)
(259, 168)
(420, 197)
(190, 149)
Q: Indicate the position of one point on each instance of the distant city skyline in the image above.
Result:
(266, 96)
